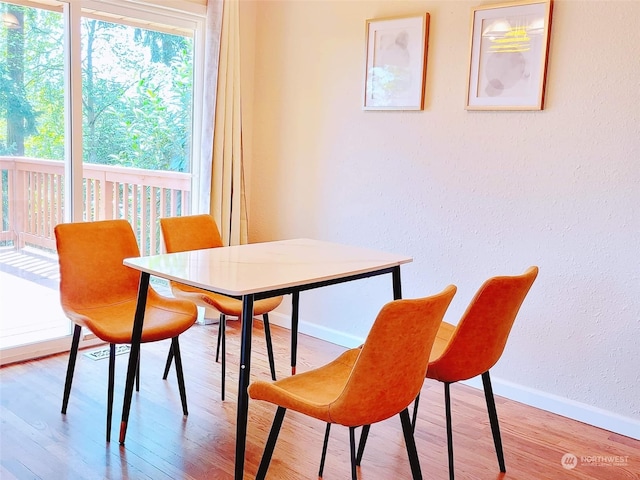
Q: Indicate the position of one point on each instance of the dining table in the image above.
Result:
(252, 272)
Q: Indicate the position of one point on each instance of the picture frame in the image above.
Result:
(396, 62)
(508, 55)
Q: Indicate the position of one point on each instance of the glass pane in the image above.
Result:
(32, 146)
(137, 91)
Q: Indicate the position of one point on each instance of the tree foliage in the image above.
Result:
(136, 92)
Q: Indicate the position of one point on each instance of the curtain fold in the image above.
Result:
(227, 198)
(209, 94)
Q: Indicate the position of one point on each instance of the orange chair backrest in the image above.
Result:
(191, 232)
(481, 335)
(90, 255)
(391, 367)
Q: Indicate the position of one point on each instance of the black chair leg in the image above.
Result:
(447, 407)
(167, 366)
(112, 372)
(220, 323)
(415, 413)
(363, 442)
(175, 346)
(324, 449)
(352, 448)
(493, 419)
(267, 335)
(73, 354)
(223, 340)
(271, 443)
(410, 442)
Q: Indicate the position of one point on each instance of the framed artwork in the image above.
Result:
(396, 61)
(509, 50)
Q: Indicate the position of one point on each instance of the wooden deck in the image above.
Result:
(31, 264)
(29, 299)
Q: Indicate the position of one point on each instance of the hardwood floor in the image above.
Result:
(37, 442)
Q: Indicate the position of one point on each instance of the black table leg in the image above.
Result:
(134, 355)
(397, 287)
(294, 330)
(243, 383)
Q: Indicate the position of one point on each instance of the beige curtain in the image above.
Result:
(227, 195)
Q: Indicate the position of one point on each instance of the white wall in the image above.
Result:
(468, 194)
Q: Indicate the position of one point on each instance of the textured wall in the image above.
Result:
(467, 194)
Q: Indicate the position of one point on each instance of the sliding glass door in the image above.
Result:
(33, 155)
(95, 123)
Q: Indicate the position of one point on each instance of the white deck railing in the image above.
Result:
(32, 192)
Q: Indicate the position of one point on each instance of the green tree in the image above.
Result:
(137, 86)
(19, 114)
(156, 117)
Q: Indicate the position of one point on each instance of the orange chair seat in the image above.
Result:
(164, 318)
(311, 393)
(222, 303)
(445, 332)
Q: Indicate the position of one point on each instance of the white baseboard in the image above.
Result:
(38, 350)
(581, 412)
(566, 407)
(317, 331)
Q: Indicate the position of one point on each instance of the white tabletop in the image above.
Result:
(262, 267)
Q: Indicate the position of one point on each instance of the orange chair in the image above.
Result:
(195, 232)
(99, 293)
(474, 346)
(363, 386)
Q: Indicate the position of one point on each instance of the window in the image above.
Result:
(124, 74)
